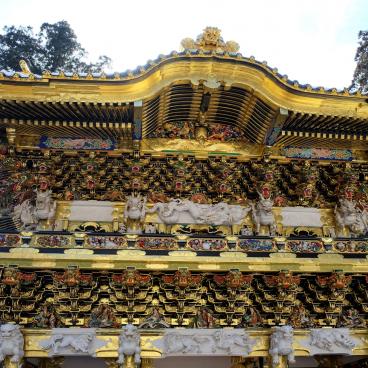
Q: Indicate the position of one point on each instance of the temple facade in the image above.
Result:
(202, 210)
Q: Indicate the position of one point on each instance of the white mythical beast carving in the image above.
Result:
(29, 215)
(230, 342)
(347, 214)
(182, 344)
(76, 343)
(45, 205)
(11, 343)
(281, 344)
(24, 215)
(135, 212)
(129, 344)
(185, 211)
(262, 214)
(329, 339)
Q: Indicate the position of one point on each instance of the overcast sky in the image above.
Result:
(312, 41)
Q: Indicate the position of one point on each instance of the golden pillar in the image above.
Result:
(55, 362)
(147, 363)
(241, 362)
(283, 363)
(9, 364)
(111, 362)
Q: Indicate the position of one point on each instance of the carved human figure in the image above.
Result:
(281, 344)
(351, 319)
(204, 318)
(129, 344)
(251, 318)
(300, 317)
(155, 320)
(102, 316)
(150, 228)
(46, 318)
(11, 343)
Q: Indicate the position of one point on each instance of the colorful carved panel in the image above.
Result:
(318, 153)
(107, 242)
(224, 132)
(77, 143)
(156, 243)
(212, 244)
(9, 240)
(178, 129)
(52, 241)
(257, 245)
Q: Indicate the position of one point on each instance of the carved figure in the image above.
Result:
(46, 318)
(197, 213)
(281, 344)
(169, 212)
(327, 339)
(135, 212)
(150, 228)
(262, 214)
(175, 343)
(347, 214)
(155, 320)
(246, 231)
(351, 318)
(204, 318)
(229, 341)
(251, 319)
(45, 205)
(78, 343)
(129, 344)
(29, 215)
(25, 214)
(103, 316)
(11, 343)
(300, 317)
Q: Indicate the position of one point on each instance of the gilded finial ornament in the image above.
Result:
(210, 40)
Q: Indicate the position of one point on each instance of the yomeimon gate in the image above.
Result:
(200, 211)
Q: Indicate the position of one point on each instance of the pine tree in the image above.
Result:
(360, 78)
(54, 48)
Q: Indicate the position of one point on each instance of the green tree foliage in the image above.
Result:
(54, 48)
(360, 78)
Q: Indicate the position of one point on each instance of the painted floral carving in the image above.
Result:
(73, 278)
(337, 280)
(131, 278)
(182, 279)
(234, 279)
(284, 280)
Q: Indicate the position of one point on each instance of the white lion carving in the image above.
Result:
(329, 339)
(281, 344)
(11, 343)
(230, 342)
(262, 214)
(129, 344)
(77, 343)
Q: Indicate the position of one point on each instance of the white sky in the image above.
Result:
(312, 41)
